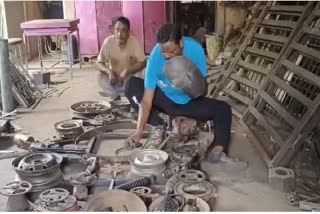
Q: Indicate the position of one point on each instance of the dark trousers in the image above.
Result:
(202, 109)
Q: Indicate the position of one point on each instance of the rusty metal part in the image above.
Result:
(116, 200)
(68, 204)
(54, 195)
(184, 126)
(192, 176)
(148, 162)
(88, 108)
(69, 128)
(23, 141)
(195, 204)
(84, 178)
(183, 153)
(145, 193)
(172, 181)
(204, 190)
(141, 191)
(91, 164)
(102, 119)
(42, 170)
(167, 203)
(16, 192)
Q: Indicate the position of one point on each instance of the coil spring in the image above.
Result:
(145, 181)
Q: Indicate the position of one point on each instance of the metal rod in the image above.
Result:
(5, 77)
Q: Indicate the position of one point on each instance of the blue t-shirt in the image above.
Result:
(155, 75)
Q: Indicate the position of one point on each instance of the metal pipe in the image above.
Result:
(5, 77)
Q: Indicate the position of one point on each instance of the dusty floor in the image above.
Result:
(238, 189)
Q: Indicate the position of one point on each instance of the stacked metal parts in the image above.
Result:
(42, 170)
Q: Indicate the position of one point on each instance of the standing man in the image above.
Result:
(120, 56)
(157, 93)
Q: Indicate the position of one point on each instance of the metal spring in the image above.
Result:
(145, 181)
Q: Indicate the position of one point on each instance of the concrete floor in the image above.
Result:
(238, 189)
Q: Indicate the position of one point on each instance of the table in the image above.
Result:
(52, 27)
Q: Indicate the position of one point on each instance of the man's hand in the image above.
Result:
(123, 75)
(134, 139)
(113, 78)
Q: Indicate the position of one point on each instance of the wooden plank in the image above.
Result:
(285, 115)
(237, 96)
(279, 23)
(302, 72)
(267, 126)
(272, 38)
(306, 51)
(290, 90)
(262, 53)
(255, 141)
(287, 8)
(253, 67)
(312, 31)
(244, 81)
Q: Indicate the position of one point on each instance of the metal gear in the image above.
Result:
(16, 188)
(54, 195)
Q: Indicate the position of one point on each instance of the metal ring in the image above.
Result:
(15, 188)
(141, 191)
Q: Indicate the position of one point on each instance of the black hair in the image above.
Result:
(169, 32)
(123, 20)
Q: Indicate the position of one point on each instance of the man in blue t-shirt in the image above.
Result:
(157, 93)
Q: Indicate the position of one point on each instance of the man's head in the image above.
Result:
(121, 29)
(170, 40)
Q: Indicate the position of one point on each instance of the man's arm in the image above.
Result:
(144, 111)
(136, 67)
(103, 68)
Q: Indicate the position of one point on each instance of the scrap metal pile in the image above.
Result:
(162, 177)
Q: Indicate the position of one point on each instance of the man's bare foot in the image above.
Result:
(216, 154)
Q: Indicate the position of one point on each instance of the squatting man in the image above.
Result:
(120, 56)
(156, 93)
